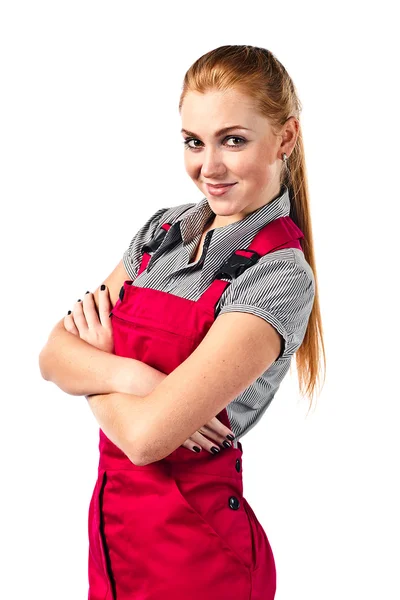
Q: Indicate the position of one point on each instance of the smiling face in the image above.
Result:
(249, 156)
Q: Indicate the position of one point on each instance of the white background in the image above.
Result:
(90, 148)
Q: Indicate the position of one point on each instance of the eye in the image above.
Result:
(235, 137)
(242, 141)
(186, 142)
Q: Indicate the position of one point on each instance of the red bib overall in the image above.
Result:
(179, 528)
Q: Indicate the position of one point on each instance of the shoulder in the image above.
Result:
(279, 288)
(164, 215)
(174, 212)
(133, 252)
(282, 270)
(290, 260)
(160, 216)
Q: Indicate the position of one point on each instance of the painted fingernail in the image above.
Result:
(69, 312)
(88, 292)
(103, 287)
(226, 444)
(79, 300)
(214, 450)
(230, 437)
(196, 448)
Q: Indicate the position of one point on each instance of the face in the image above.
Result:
(250, 156)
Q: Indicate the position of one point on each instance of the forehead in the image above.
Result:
(213, 110)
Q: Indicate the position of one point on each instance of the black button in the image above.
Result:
(234, 503)
(237, 466)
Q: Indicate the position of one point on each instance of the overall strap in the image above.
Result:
(156, 242)
(279, 233)
(152, 246)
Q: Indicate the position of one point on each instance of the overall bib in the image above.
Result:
(179, 528)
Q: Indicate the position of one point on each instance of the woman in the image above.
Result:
(211, 300)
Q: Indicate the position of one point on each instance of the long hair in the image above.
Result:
(258, 73)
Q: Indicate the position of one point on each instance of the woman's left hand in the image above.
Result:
(93, 328)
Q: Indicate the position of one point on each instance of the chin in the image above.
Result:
(222, 208)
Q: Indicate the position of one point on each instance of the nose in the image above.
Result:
(213, 166)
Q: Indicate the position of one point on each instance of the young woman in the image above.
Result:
(184, 346)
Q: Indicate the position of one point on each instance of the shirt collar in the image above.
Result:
(193, 221)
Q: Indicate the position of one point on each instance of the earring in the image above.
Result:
(284, 158)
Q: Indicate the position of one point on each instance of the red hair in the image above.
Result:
(256, 72)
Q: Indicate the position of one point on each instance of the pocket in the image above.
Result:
(255, 526)
(209, 502)
(161, 349)
(97, 546)
(93, 528)
(142, 327)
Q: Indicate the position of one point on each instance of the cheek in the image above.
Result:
(257, 174)
(191, 165)
(267, 163)
(255, 167)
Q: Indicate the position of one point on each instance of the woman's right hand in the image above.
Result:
(212, 430)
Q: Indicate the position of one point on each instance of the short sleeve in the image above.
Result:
(279, 291)
(133, 254)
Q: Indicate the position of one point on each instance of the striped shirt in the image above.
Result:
(279, 288)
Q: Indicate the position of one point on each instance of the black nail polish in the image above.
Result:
(69, 312)
(79, 300)
(214, 450)
(196, 448)
(103, 287)
(226, 444)
(88, 292)
(230, 437)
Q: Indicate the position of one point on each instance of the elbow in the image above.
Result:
(42, 365)
(138, 461)
(45, 367)
(142, 452)
(136, 457)
(149, 451)
(135, 452)
(149, 441)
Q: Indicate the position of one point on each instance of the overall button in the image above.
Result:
(234, 503)
(237, 466)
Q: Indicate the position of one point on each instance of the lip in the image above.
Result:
(218, 185)
(220, 189)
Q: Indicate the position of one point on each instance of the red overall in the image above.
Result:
(179, 528)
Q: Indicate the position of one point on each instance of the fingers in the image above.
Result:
(191, 445)
(79, 317)
(89, 310)
(104, 306)
(214, 425)
(85, 311)
(69, 324)
(211, 437)
(199, 440)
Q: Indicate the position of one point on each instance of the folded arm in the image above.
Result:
(79, 368)
(237, 349)
(145, 412)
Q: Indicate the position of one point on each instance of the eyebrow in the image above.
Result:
(220, 132)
